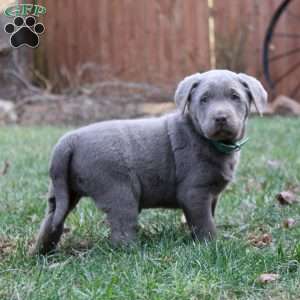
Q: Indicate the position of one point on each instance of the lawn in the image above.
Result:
(166, 264)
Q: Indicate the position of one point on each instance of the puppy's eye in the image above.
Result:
(235, 97)
(204, 99)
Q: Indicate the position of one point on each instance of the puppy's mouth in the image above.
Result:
(223, 134)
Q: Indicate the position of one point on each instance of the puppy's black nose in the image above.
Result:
(221, 120)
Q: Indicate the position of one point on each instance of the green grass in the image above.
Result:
(166, 264)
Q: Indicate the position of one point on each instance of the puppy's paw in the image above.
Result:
(204, 234)
(41, 249)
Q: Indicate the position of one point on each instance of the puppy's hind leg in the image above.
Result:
(52, 226)
(60, 202)
(46, 238)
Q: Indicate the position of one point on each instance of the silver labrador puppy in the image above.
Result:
(181, 160)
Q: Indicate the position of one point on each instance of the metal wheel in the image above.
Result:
(281, 50)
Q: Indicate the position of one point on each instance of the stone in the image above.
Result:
(8, 113)
(285, 106)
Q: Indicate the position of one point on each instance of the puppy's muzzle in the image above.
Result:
(221, 120)
(223, 126)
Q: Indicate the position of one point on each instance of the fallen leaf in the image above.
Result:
(268, 277)
(289, 223)
(286, 198)
(267, 238)
(6, 246)
(261, 240)
(293, 187)
(252, 184)
(274, 164)
(167, 259)
(58, 264)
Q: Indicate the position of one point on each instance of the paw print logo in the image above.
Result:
(24, 32)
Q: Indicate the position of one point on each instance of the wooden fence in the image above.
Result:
(157, 41)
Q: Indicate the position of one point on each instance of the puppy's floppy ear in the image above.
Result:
(184, 89)
(256, 92)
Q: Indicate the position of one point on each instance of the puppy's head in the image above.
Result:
(218, 102)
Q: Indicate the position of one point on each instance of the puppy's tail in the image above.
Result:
(59, 173)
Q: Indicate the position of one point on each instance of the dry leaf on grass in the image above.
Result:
(58, 264)
(253, 184)
(286, 198)
(261, 240)
(274, 164)
(289, 223)
(268, 277)
(6, 247)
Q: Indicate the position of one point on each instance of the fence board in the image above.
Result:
(251, 18)
(235, 26)
(160, 41)
(287, 24)
(155, 41)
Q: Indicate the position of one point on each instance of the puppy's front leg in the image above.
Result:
(197, 206)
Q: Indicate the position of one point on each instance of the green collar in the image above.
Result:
(228, 148)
